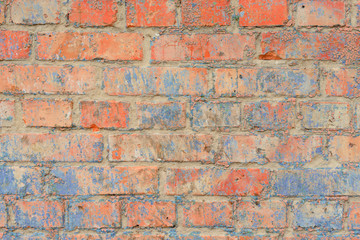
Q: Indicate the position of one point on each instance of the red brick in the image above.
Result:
(168, 148)
(156, 13)
(246, 82)
(94, 214)
(345, 148)
(39, 213)
(216, 182)
(335, 46)
(208, 214)
(263, 12)
(93, 13)
(263, 149)
(87, 180)
(267, 115)
(47, 113)
(46, 79)
(104, 114)
(45, 147)
(202, 47)
(7, 113)
(325, 115)
(14, 45)
(169, 115)
(320, 13)
(89, 46)
(354, 216)
(206, 13)
(342, 82)
(150, 213)
(169, 81)
(35, 11)
(262, 214)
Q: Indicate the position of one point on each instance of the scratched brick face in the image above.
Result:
(179, 119)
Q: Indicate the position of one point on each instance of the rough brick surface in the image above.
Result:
(179, 119)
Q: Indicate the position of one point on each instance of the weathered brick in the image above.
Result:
(217, 237)
(3, 214)
(169, 81)
(325, 115)
(267, 115)
(103, 180)
(2, 11)
(354, 216)
(335, 46)
(39, 213)
(35, 11)
(91, 214)
(104, 114)
(89, 46)
(47, 113)
(145, 236)
(345, 148)
(27, 236)
(320, 13)
(20, 180)
(150, 213)
(264, 149)
(169, 115)
(343, 82)
(202, 47)
(14, 45)
(93, 13)
(80, 236)
(36, 79)
(261, 214)
(158, 13)
(216, 114)
(206, 13)
(246, 82)
(213, 181)
(59, 147)
(7, 113)
(314, 182)
(263, 12)
(323, 215)
(168, 148)
(208, 214)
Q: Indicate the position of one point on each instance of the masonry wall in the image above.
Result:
(179, 119)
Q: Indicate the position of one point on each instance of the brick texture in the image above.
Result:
(179, 119)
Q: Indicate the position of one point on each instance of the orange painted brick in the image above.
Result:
(90, 214)
(14, 45)
(104, 114)
(354, 216)
(3, 214)
(267, 115)
(39, 213)
(206, 13)
(202, 47)
(345, 148)
(103, 180)
(2, 11)
(35, 11)
(155, 13)
(7, 113)
(164, 147)
(36, 79)
(48, 147)
(262, 214)
(289, 150)
(263, 12)
(342, 82)
(216, 182)
(150, 213)
(89, 46)
(169, 115)
(208, 214)
(320, 12)
(93, 12)
(47, 113)
(168, 81)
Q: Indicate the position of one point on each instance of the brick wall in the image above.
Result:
(179, 119)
